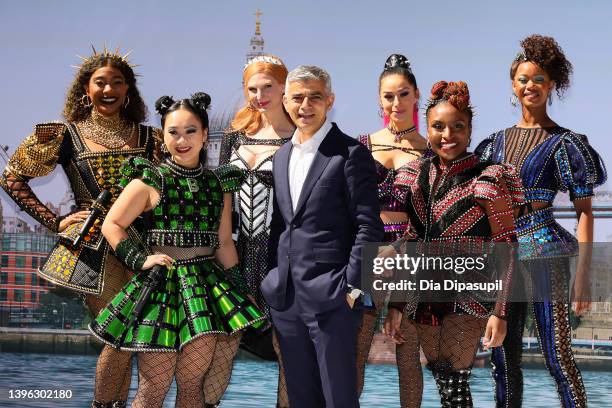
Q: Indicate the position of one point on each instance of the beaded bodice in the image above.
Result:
(548, 161)
(89, 172)
(254, 198)
(391, 195)
(442, 205)
(188, 213)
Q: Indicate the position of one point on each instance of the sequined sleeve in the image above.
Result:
(579, 167)
(230, 176)
(158, 140)
(486, 148)
(229, 140)
(488, 186)
(36, 156)
(143, 169)
(406, 176)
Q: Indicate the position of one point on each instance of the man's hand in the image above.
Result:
(350, 301)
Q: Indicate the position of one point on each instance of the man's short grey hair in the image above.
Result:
(308, 73)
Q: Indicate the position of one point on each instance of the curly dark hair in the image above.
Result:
(548, 55)
(455, 93)
(74, 111)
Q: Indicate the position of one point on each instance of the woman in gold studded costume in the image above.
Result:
(103, 114)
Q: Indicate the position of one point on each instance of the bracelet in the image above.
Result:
(397, 245)
(235, 276)
(128, 252)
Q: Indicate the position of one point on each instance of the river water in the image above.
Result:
(254, 384)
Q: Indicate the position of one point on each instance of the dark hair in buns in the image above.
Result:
(197, 104)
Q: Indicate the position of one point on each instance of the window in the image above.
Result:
(3, 278)
(33, 296)
(6, 243)
(21, 243)
(34, 262)
(34, 279)
(20, 261)
(4, 296)
(18, 295)
(19, 278)
(5, 260)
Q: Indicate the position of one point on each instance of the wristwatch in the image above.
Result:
(354, 293)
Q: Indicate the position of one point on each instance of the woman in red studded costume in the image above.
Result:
(454, 198)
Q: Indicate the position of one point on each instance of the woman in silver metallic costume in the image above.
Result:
(257, 131)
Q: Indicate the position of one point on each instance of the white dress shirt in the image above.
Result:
(301, 159)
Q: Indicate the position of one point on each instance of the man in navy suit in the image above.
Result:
(325, 209)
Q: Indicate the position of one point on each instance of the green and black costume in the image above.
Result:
(197, 296)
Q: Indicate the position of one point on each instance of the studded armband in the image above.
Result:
(130, 254)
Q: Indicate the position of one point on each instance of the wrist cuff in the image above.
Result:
(128, 252)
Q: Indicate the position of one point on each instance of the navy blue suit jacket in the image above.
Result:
(319, 245)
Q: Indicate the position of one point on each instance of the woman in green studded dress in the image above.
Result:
(200, 297)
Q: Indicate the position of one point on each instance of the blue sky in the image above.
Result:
(201, 45)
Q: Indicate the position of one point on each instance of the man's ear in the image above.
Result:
(331, 99)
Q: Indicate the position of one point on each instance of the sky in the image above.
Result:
(187, 46)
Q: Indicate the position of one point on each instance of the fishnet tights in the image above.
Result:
(218, 376)
(365, 335)
(451, 347)
(455, 341)
(282, 398)
(191, 366)
(408, 359)
(155, 373)
(114, 367)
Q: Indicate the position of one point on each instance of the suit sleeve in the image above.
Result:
(276, 227)
(364, 209)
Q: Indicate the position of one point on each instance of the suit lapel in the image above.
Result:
(281, 177)
(321, 158)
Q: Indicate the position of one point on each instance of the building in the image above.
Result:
(15, 225)
(220, 121)
(20, 287)
(257, 42)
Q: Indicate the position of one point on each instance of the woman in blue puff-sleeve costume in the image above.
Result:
(550, 159)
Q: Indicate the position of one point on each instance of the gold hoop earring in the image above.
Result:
(127, 101)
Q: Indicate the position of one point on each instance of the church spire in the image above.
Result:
(257, 42)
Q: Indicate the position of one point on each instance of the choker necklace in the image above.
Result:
(184, 171)
(111, 132)
(398, 134)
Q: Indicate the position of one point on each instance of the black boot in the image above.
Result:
(453, 386)
(117, 404)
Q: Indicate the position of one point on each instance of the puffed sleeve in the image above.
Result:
(579, 167)
(229, 140)
(488, 186)
(36, 156)
(143, 169)
(158, 140)
(486, 149)
(230, 176)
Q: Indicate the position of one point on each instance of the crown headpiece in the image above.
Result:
(264, 58)
(106, 53)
